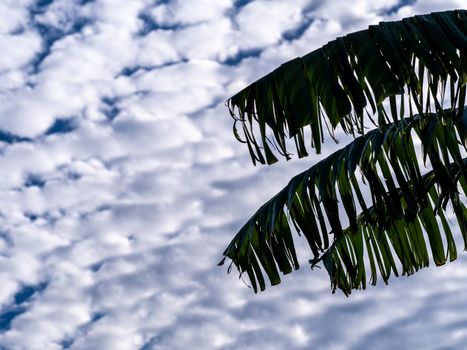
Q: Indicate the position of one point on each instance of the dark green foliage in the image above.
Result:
(335, 84)
(389, 71)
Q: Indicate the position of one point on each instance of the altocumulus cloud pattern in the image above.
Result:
(121, 183)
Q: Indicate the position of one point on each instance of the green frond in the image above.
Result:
(386, 72)
(400, 247)
(383, 230)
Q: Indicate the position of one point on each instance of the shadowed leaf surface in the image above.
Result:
(394, 220)
(409, 63)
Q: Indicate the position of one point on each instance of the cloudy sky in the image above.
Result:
(121, 183)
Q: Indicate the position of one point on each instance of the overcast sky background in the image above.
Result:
(121, 183)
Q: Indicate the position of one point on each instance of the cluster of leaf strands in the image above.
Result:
(408, 78)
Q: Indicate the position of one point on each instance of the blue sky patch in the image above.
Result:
(241, 3)
(24, 295)
(296, 33)
(393, 9)
(241, 55)
(10, 138)
(34, 180)
(28, 291)
(62, 126)
(7, 317)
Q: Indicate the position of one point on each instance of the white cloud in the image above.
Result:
(114, 242)
(157, 48)
(18, 50)
(184, 12)
(14, 15)
(261, 24)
